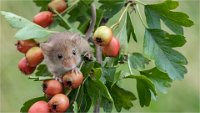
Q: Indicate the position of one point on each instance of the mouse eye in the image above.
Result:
(74, 52)
(59, 56)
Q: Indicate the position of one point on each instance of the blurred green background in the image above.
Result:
(183, 96)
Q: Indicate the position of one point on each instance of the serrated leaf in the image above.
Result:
(42, 70)
(42, 3)
(107, 105)
(158, 45)
(130, 28)
(32, 32)
(97, 72)
(160, 79)
(80, 13)
(144, 88)
(122, 98)
(14, 20)
(86, 68)
(116, 77)
(83, 100)
(75, 107)
(28, 30)
(109, 73)
(96, 89)
(111, 7)
(174, 20)
(137, 61)
(27, 104)
(122, 34)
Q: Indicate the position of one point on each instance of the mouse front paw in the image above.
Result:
(76, 70)
(58, 78)
(88, 56)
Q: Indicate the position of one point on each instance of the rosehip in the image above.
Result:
(24, 67)
(59, 103)
(24, 45)
(58, 5)
(112, 49)
(34, 56)
(72, 79)
(52, 87)
(39, 107)
(43, 19)
(102, 35)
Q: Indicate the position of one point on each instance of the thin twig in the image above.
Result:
(138, 10)
(92, 22)
(120, 18)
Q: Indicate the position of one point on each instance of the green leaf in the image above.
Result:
(28, 30)
(83, 100)
(116, 77)
(99, 16)
(96, 89)
(41, 74)
(87, 67)
(42, 3)
(121, 34)
(32, 31)
(130, 28)
(29, 103)
(111, 7)
(160, 79)
(137, 61)
(122, 98)
(158, 46)
(97, 72)
(107, 105)
(109, 73)
(144, 88)
(42, 70)
(14, 20)
(81, 14)
(174, 20)
(75, 107)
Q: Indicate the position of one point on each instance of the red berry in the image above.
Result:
(52, 87)
(34, 56)
(24, 67)
(59, 103)
(72, 79)
(102, 35)
(24, 45)
(112, 49)
(39, 107)
(58, 5)
(43, 19)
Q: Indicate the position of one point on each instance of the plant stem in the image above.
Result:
(69, 91)
(129, 66)
(122, 15)
(140, 2)
(138, 10)
(65, 21)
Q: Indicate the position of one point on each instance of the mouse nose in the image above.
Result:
(68, 63)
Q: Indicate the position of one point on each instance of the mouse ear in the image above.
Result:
(46, 47)
(76, 38)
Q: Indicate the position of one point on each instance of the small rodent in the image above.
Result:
(62, 52)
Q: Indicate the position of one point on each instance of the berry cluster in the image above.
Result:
(103, 36)
(54, 91)
(33, 55)
(45, 18)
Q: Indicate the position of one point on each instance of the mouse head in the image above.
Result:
(61, 50)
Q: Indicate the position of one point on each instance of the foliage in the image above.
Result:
(101, 81)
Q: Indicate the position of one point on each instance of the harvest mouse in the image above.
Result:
(62, 52)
